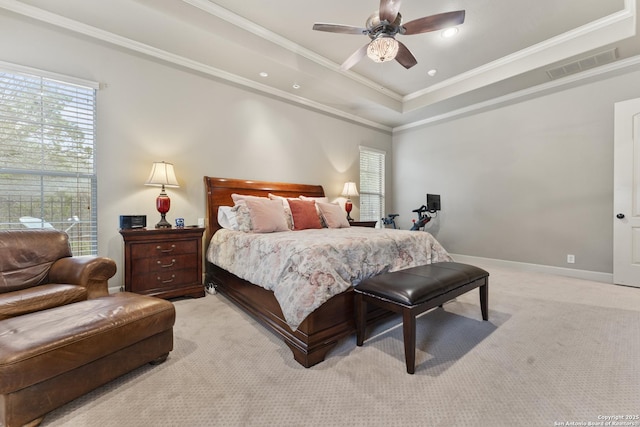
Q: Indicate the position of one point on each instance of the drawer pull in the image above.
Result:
(165, 250)
(173, 262)
(173, 276)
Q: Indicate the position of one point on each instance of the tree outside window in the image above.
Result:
(47, 157)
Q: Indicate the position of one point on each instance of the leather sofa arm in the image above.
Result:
(89, 271)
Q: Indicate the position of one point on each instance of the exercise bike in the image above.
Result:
(423, 217)
(390, 220)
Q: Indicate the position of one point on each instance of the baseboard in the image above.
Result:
(595, 276)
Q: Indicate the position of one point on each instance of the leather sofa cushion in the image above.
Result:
(38, 346)
(38, 298)
(27, 255)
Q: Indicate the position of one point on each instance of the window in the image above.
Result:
(371, 184)
(47, 149)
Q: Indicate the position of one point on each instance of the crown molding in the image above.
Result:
(285, 43)
(607, 30)
(114, 39)
(604, 71)
(628, 13)
(111, 38)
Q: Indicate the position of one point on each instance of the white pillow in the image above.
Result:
(227, 218)
(333, 215)
(316, 199)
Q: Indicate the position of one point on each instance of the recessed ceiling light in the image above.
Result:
(432, 72)
(296, 86)
(449, 32)
(264, 74)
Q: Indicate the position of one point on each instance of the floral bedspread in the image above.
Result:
(305, 268)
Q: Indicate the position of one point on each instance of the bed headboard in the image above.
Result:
(218, 193)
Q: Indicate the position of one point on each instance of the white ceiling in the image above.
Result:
(504, 46)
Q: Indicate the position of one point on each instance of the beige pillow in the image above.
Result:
(316, 199)
(333, 215)
(267, 215)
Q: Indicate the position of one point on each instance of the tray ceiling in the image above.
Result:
(504, 47)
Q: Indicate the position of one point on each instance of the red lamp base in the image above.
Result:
(348, 206)
(163, 203)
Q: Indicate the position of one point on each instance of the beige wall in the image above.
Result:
(529, 182)
(150, 111)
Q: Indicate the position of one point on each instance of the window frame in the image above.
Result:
(29, 197)
(372, 188)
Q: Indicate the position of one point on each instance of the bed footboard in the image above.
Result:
(315, 336)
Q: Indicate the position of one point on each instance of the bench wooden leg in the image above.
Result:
(409, 332)
(361, 318)
(484, 301)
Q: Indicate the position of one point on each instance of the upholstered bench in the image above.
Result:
(416, 290)
(51, 357)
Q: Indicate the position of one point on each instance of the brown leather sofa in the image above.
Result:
(37, 271)
(61, 333)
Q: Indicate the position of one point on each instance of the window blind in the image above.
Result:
(372, 172)
(47, 157)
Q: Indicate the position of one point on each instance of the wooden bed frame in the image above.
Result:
(323, 328)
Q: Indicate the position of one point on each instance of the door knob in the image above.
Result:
(620, 216)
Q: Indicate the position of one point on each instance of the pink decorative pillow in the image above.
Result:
(266, 215)
(333, 215)
(304, 214)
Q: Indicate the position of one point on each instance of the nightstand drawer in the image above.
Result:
(145, 250)
(174, 279)
(164, 263)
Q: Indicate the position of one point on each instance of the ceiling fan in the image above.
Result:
(382, 28)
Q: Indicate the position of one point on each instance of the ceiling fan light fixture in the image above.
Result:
(382, 49)
(449, 32)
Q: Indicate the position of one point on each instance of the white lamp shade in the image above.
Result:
(162, 173)
(349, 190)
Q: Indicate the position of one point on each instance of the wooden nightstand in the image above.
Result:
(371, 224)
(165, 263)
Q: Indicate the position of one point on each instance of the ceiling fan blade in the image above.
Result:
(404, 57)
(389, 10)
(433, 22)
(338, 28)
(354, 58)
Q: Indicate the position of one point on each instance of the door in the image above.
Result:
(626, 194)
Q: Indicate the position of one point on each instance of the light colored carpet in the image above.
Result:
(555, 350)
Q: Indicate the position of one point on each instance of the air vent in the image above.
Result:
(583, 64)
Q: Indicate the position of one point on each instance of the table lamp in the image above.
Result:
(348, 191)
(162, 174)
